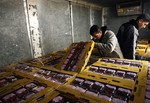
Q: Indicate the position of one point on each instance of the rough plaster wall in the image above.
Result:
(34, 28)
(96, 17)
(14, 42)
(54, 22)
(81, 23)
(114, 22)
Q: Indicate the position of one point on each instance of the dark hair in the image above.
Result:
(103, 29)
(94, 29)
(144, 17)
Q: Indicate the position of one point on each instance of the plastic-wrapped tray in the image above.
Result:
(93, 69)
(96, 87)
(122, 93)
(52, 76)
(110, 72)
(63, 99)
(77, 82)
(101, 70)
(130, 75)
(116, 100)
(147, 95)
(148, 88)
(38, 89)
(104, 59)
(135, 64)
(127, 63)
(7, 80)
(30, 86)
(108, 90)
(120, 73)
(9, 98)
(11, 78)
(87, 84)
(1, 72)
(24, 68)
(21, 92)
(147, 101)
(111, 61)
(118, 61)
(148, 82)
(3, 82)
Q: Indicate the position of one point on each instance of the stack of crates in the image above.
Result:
(110, 81)
(18, 89)
(50, 59)
(143, 52)
(71, 80)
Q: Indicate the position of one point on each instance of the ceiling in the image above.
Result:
(108, 3)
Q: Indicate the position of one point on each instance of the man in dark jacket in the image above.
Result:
(128, 34)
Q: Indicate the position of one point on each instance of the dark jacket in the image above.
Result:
(127, 37)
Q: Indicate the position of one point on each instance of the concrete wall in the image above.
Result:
(14, 41)
(54, 21)
(60, 24)
(81, 23)
(114, 22)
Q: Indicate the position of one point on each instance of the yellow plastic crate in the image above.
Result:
(13, 87)
(77, 57)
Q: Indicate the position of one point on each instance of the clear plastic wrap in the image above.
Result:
(110, 72)
(65, 78)
(24, 68)
(93, 69)
(3, 82)
(116, 100)
(67, 60)
(111, 61)
(96, 87)
(38, 89)
(29, 95)
(58, 77)
(107, 92)
(77, 82)
(101, 70)
(135, 64)
(127, 63)
(147, 101)
(104, 60)
(130, 75)
(103, 96)
(30, 86)
(118, 61)
(148, 82)
(21, 92)
(148, 88)
(9, 98)
(1, 72)
(120, 74)
(147, 95)
(122, 94)
(80, 89)
(63, 99)
(11, 78)
(87, 84)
